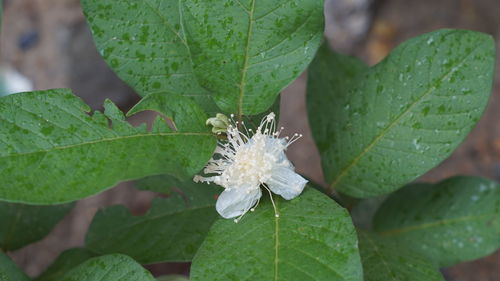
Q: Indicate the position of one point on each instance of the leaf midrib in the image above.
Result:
(443, 222)
(245, 64)
(368, 148)
(118, 138)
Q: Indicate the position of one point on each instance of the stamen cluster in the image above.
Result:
(249, 160)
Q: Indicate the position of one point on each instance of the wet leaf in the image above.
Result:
(250, 51)
(142, 41)
(52, 151)
(65, 262)
(380, 128)
(312, 239)
(172, 230)
(385, 260)
(450, 222)
(108, 268)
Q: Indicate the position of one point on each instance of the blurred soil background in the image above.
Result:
(48, 42)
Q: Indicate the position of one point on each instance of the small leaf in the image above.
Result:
(312, 239)
(65, 262)
(384, 260)
(453, 221)
(250, 51)
(52, 151)
(108, 268)
(143, 42)
(381, 128)
(22, 224)
(172, 230)
(9, 270)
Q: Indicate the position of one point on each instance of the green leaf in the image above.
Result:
(65, 262)
(160, 183)
(384, 260)
(172, 230)
(246, 52)
(108, 268)
(9, 270)
(142, 41)
(22, 224)
(52, 151)
(453, 221)
(380, 128)
(312, 239)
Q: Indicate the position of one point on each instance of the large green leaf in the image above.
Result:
(384, 260)
(247, 51)
(108, 268)
(9, 270)
(380, 128)
(172, 230)
(451, 222)
(65, 262)
(145, 45)
(312, 239)
(22, 224)
(52, 151)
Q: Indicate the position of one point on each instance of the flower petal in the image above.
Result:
(237, 201)
(286, 182)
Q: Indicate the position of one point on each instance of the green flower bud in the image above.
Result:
(219, 123)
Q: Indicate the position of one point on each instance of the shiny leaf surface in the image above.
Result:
(450, 222)
(380, 128)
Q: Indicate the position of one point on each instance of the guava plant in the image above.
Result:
(213, 70)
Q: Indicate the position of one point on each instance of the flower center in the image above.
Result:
(253, 163)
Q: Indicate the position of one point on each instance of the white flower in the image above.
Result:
(243, 164)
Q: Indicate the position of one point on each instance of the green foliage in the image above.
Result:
(144, 44)
(380, 128)
(52, 151)
(172, 230)
(108, 268)
(65, 262)
(384, 260)
(22, 224)
(453, 221)
(312, 239)
(250, 52)
(244, 56)
(9, 270)
(377, 128)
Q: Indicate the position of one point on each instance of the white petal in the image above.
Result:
(285, 182)
(237, 201)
